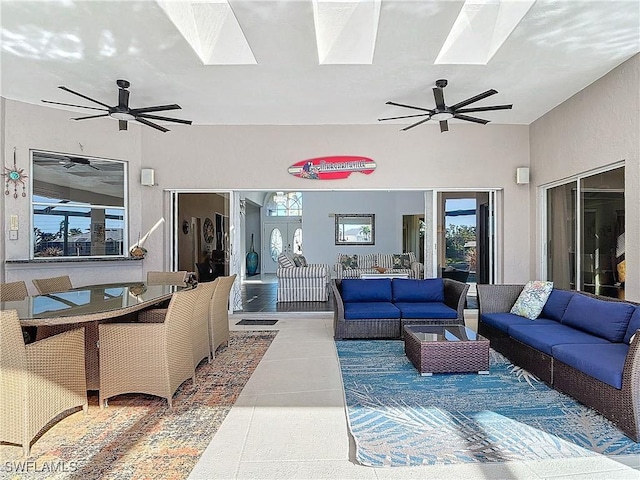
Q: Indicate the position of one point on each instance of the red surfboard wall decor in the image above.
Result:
(332, 168)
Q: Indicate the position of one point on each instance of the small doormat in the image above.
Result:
(251, 321)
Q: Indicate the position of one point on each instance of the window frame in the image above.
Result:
(124, 253)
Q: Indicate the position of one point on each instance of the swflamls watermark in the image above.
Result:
(31, 466)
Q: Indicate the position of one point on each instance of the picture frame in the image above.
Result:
(355, 229)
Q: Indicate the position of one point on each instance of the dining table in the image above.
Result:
(86, 307)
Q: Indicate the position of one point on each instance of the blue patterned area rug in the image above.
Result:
(399, 418)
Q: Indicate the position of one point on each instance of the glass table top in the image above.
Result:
(443, 333)
(88, 300)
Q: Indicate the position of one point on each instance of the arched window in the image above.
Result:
(283, 204)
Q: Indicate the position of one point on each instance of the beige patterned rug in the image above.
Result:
(137, 436)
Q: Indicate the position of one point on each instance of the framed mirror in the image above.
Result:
(355, 229)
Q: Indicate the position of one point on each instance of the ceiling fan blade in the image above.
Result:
(123, 98)
(151, 124)
(84, 96)
(410, 106)
(444, 126)
(478, 97)
(166, 119)
(406, 116)
(470, 119)
(415, 124)
(91, 116)
(484, 109)
(438, 94)
(122, 125)
(158, 108)
(71, 105)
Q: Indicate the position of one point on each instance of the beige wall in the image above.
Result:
(257, 158)
(596, 127)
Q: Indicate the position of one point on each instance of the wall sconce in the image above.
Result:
(147, 177)
(522, 175)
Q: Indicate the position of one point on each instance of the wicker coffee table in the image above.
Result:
(446, 349)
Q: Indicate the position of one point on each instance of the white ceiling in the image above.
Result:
(257, 62)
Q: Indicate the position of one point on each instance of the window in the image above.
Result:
(78, 206)
(285, 204)
(585, 233)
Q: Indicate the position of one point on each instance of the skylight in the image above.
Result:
(346, 30)
(480, 30)
(212, 30)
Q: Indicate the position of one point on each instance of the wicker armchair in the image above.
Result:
(39, 381)
(219, 313)
(53, 284)
(152, 358)
(167, 278)
(13, 291)
(200, 322)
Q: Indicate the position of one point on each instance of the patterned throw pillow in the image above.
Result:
(401, 261)
(299, 260)
(531, 300)
(349, 261)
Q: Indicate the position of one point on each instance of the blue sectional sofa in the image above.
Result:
(380, 308)
(581, 344)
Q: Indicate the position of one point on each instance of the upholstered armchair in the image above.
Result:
(38, 382)
(301, 282)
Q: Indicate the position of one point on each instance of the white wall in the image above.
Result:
(318, 223)
(596, 127)
(257, 158)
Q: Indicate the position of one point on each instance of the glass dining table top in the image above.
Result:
(90, 300)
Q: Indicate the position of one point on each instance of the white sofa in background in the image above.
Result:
(353, 266)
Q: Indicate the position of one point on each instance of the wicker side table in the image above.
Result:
(446, 349)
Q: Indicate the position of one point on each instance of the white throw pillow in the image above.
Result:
(531, 300)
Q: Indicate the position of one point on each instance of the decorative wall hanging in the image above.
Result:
(15, 176)
(332, 168)
(208, 231)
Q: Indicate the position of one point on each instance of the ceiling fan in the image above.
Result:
(65, 161)
(122, 112)
(442, 112)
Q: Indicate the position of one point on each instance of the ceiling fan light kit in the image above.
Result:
(122, 112)
(442, 112)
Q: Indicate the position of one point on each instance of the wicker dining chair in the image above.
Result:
(39, 381)
(13, 291)
(53, 284)
(200, 322)
(219, 313)
(153, 358)
(167, 278)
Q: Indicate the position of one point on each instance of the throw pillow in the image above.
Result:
(296, 260)
(531, 300)
(379, 269)
(349, 261)
(285, 261)
(401, 261)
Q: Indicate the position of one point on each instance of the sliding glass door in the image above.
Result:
(585, 233)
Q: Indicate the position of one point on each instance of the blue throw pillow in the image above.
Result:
(414, 290)
(556, 304)
(374, 290)
(603, 318)
(634, 324)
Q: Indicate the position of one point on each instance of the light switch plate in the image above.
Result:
(13, 234)
(13, 222)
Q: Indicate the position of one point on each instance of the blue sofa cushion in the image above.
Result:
(603, 318)
(556, 304)
(604, 362)
(425, 310)
(634, 324)
(544, 337)
(375, 290)
(502, 321)
(414, 290)
(364, 310)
